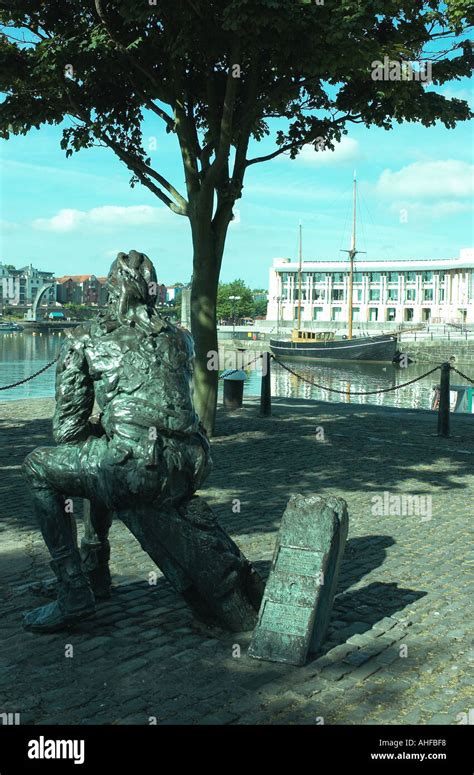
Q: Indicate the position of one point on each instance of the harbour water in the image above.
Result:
(22, 354)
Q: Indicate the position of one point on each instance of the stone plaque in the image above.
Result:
(296, 607)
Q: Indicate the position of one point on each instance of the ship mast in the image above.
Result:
(299, 279)
(352, 254)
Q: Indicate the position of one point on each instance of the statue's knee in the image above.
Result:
(31, 467)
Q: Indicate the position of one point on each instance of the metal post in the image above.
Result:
(266, 393)
(443, 411)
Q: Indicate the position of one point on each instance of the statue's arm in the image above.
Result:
(74, 394)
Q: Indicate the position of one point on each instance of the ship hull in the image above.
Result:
(373, 348)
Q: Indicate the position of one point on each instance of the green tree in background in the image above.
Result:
(215, 75)
(226, 308)
(259, 308)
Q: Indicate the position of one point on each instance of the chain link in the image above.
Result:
(228, 372)
(345, 392)
(464, 376)
(32, 376)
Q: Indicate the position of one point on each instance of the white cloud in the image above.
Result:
(347, 150)
(8, 226)
(433, 180)
(105, 217)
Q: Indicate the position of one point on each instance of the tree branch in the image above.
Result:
(298, 145)
(136, 165)
(226, 124)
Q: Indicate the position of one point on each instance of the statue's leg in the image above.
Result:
(200, 560)
(51, 472)
(95, 547)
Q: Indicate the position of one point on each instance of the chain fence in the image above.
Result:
(32, 376)
(358, 393)
(464, 376)
(309, 381)
(365, 392)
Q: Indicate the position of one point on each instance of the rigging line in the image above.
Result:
(376, 226)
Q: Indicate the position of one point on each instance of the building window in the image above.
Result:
(393, 294)
(410, 277)
(357, 294)
(318, 294)
(441, 294)
(427, 277)
(284, 277)
(393, 277)
(391, 313)
(318, 277)
(373, 313)
(357, 277)
(374, 294)
(336, 313)
(408, 315)
(338, 277)
(356, 314)
(428, 294)
(296, 294)
(318, 313)
(337, 294)
(410, 294)
(374, 277)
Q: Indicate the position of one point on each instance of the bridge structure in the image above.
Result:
(32, 314)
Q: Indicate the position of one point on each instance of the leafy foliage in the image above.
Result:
(226, 308)
(102, 63)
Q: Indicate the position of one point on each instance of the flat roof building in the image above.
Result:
(398, 291)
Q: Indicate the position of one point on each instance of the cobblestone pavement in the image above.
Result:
(398, 647)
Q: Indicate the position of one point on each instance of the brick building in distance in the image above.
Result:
(81, 289)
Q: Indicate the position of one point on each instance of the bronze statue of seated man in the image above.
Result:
(143, 460)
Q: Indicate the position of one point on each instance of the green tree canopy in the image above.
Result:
(226, 308)
(259, 307)
(215, 74)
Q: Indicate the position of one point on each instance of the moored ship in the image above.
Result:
(309, 345)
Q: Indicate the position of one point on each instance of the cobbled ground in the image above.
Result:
(399, 644)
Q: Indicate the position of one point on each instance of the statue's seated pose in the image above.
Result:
(143, 460)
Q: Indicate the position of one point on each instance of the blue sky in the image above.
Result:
(72, 216)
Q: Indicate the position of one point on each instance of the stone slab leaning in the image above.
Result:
(296, 607)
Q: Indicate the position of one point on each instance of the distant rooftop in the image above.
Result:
(77, 278)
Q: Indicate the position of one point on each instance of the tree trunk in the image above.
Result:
(208, 247)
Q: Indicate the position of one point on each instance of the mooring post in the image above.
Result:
(443, 411)
(266, 393)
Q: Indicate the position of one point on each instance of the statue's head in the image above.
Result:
(131, 282)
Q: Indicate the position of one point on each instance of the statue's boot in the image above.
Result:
(95, 564)
(75, 598)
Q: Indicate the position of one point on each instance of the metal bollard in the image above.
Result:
(443, 410)
(233, 388)
(266, 392)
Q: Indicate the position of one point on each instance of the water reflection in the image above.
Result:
(352, 378)
(21, 354)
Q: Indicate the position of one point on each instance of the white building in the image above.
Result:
(19, 287)
(398, 291)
